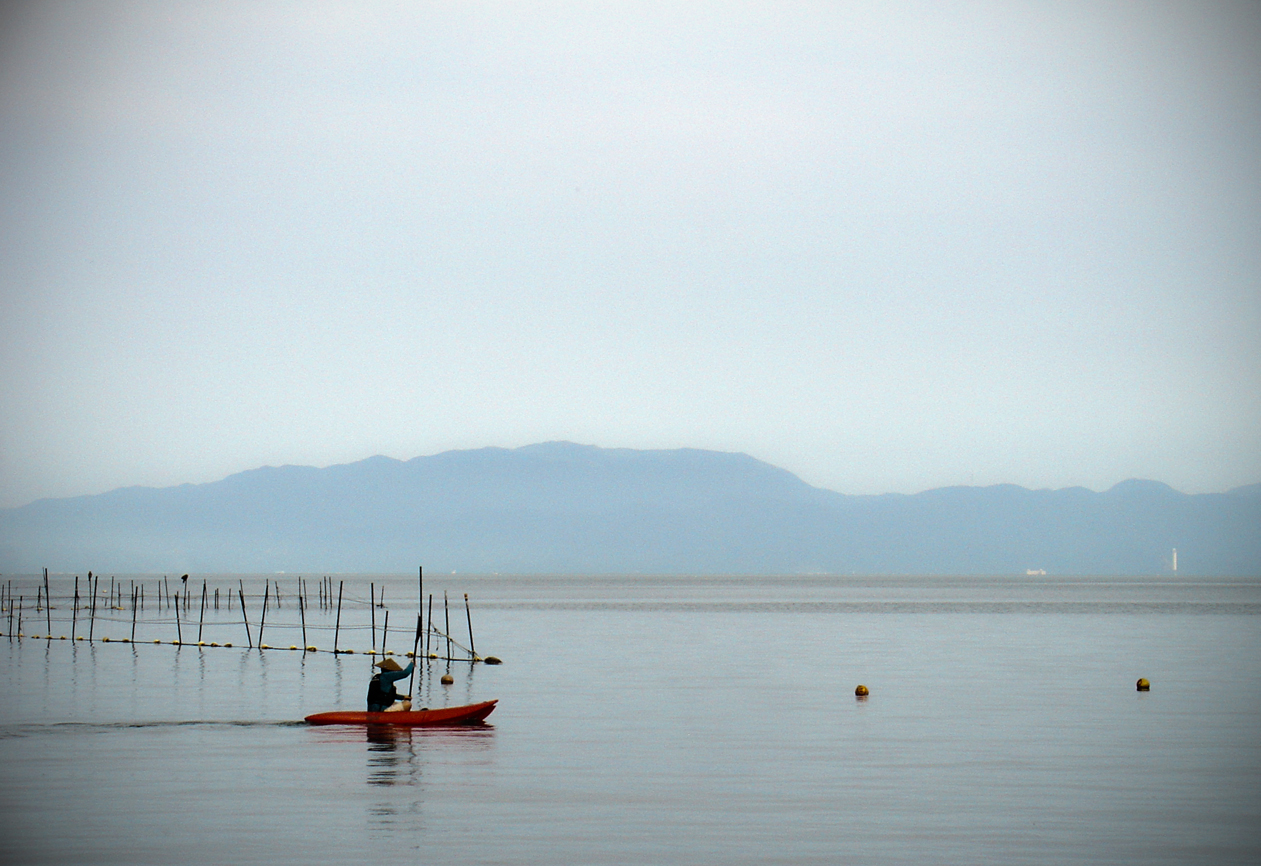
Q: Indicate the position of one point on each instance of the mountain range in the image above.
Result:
(558, 507)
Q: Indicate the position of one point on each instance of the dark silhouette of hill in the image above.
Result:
(565, 508)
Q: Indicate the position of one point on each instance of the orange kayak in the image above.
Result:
(471, 714)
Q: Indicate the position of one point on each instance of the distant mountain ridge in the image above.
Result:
(565, 508)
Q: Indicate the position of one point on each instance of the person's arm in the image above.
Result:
(389, 678)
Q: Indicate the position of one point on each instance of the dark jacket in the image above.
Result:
(381, 692)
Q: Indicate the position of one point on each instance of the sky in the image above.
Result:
(886, 246)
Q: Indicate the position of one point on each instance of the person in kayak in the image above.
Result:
(382, 697)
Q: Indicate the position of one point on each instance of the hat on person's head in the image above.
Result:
(388, 664)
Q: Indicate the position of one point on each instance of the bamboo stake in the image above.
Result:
(245, 618)
(263, 622)
(429, 631)
(385, 631)
(179, 632)
(74, 617)
(133, 614)
(446, 610)
(372, 608)
(92, 621)
(471, 649)
(201, 620)
(48, 605)
(338, 627)
(302, 613)
(411, 686)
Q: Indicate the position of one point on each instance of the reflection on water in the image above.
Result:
(396, 759)
(391, 756)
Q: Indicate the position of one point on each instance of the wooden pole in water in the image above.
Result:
(446, 611)
(179, 632)
(92, 620)
(245, 618)
(168, 591)
(134, 597)
(411, 686)
(201, 620)
(372, 607)
(385, 633)
(216, 598)
(48, 605)
(472, 651)
(302, 613)
(337, 628)
(429, 630)
(263, 622)
(74, 616)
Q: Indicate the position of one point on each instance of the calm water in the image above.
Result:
(657, 720)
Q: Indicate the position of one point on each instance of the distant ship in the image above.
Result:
(1035, 571)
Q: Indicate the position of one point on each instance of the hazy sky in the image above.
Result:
(887, 246)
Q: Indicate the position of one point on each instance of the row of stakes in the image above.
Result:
(325, 596)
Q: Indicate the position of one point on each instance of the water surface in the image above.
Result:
(659, 720)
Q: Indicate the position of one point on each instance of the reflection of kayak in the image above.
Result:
(466, 715)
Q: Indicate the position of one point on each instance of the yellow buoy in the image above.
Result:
(201, 643)
(227, 644)
(861, 692)
(447, 679)
(264, 646)
(80, 637)
(312, 649)
(293, 646)
(492, 660)
(1143, 685)
(157, 641)
(212, 643)
(103, 640)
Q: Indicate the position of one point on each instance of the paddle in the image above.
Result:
(415, 643)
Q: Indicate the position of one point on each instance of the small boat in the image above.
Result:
(470, 714)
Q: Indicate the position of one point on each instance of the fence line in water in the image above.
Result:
(119, 606)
